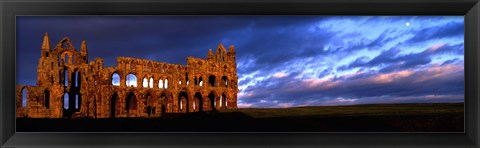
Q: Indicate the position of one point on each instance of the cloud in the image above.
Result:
(280, 75)
(440, 80)
(283, 60)
(392, 60)
(450, 29)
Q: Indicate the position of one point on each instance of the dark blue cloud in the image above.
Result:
(393, 60)
(438, 32)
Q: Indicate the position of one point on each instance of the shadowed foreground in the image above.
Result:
(441, 117)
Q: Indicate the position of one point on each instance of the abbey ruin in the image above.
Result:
(69, 86)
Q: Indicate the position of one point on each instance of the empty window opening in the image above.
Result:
(115, 80)
(225, 80)
(24, 97)
(166, 83)
(66, 101)
(150, 83)
(160, 84)
(65, 77)
(77, 79)
(76, 101)
(131, 80)
(145, 83)
(211, 80)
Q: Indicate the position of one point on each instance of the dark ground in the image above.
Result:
(441, 117)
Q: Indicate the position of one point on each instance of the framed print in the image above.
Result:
(324, 74)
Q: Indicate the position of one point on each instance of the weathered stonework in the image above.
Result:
(202, 85)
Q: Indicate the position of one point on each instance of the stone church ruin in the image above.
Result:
(70, 86)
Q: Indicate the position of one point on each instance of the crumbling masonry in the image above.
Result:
(70, 87)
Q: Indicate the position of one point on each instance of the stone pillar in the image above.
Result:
(175, 101)
(191, 102)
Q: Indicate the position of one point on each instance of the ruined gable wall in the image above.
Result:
(201, 85)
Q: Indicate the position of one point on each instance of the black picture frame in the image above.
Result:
(469, 8)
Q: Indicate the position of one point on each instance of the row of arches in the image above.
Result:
(211, 81)
(75, 78)
(71, 103)
(131, 81)
(66, 57)
(67, 104)
(165, 104)
(130, 103)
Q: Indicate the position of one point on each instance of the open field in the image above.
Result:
(439, 117)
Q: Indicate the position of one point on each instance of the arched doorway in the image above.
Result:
(198, 102)
(183, 102)
(131, 102)
(150, 105)
(224, 101)
(211, 99)
(113, 106)
(164, 104)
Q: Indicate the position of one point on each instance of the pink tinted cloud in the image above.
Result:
(413, 75)
(434, 47)
(439, 72)
(391, 77)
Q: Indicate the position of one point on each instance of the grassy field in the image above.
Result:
(354, 110)
(432, 117)
(441, 117)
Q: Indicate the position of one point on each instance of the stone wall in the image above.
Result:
(70, 87)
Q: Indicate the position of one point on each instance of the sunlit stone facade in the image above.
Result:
(69, 86)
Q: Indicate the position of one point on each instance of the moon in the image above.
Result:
(407, 24)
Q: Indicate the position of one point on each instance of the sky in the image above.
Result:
(282, 61)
